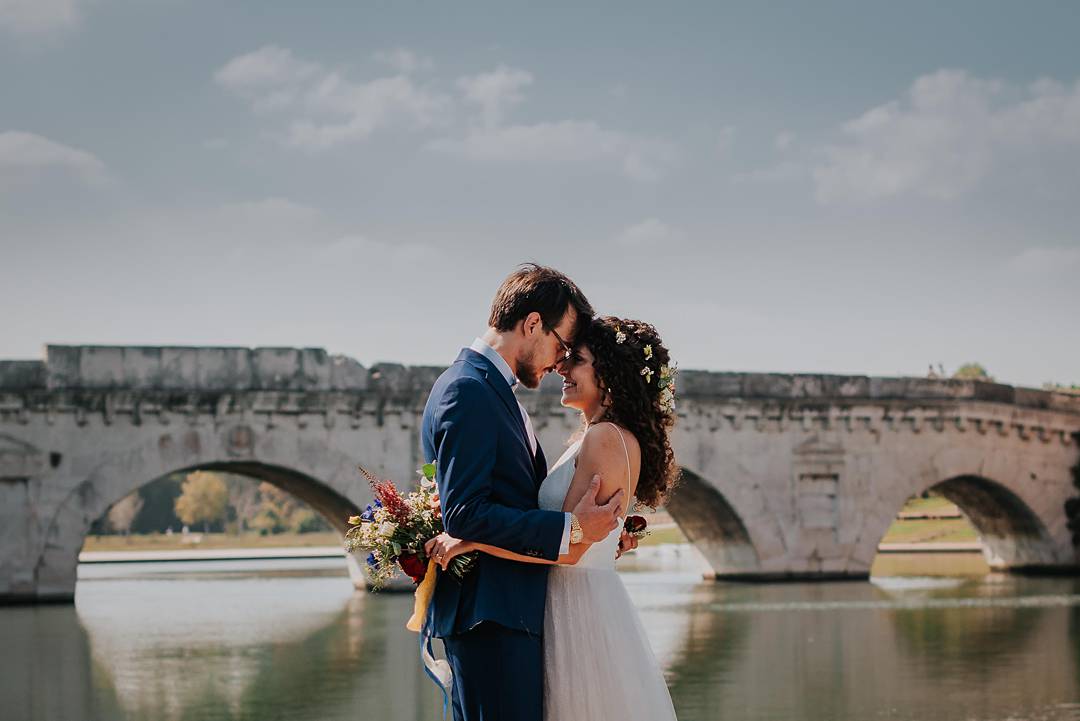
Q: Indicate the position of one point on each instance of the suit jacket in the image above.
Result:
(488, 481)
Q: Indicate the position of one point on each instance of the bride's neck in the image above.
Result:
(592, 415)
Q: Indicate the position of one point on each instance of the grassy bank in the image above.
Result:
(163, 542)
(662, 530)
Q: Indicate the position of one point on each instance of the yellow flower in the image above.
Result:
(648, 352)
(354, 520)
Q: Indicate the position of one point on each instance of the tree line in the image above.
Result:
(209, 501)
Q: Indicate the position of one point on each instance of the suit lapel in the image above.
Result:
(502, 390)
(540, 465)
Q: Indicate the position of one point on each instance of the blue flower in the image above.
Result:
(371, 560)
(368, 514)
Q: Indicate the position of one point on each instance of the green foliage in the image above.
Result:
(249, 505)
(1062, 388)
(972, 372)
(203, 497)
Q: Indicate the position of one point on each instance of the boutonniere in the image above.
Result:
(635, 526)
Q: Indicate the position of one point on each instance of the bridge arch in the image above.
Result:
(331, 486)
(1014, 537)
(710, 522)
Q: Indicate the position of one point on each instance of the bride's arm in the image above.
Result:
(601, 453)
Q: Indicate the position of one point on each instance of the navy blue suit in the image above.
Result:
(488, 479)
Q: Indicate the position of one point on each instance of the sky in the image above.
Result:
(838, 187)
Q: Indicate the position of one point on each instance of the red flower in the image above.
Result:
(635, 524)
(412, 565)
(388, 495)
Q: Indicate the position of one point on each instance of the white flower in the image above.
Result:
(648, 373)
(667, 401)
(387, 528)
(620, 337)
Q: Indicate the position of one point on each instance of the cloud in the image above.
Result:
(946, 136)
(1043, 262)
(649, 232)
(361, 248)
(38, 17)
(563, 143)
(725, 139)
(404, 61)
(23, 156)
(268, 69)
(273, 211)
(495, 91)
(327, 109)
(782, 172)
(783, 140)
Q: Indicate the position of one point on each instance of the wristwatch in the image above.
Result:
(576, 534)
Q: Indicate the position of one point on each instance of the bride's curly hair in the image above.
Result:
(633, 397)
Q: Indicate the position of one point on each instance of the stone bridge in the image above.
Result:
(785, 476)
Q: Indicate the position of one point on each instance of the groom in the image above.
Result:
(489, 469)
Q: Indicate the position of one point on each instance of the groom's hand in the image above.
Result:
(598, 521)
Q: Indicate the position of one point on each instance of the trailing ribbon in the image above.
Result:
(437, 669)
(422, 600)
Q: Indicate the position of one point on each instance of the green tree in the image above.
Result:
(972, 372)
(203, 497)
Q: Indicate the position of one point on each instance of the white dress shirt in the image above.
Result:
(481, 346)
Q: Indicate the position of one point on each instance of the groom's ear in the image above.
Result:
(531, 324)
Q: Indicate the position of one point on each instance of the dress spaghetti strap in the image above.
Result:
(625, 453)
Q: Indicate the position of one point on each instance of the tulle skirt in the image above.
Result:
(598, 664)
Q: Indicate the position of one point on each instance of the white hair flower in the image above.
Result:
(648, 373)
(620, 337)
(666, 384)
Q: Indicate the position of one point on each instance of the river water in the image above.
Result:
(217, 641)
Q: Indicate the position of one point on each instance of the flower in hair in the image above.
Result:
(620, 337)
(648, 352)
(648, 373)
(666, 384)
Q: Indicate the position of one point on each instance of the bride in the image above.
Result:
(597, 659)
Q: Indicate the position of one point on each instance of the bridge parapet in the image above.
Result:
(788, 475)
(225, 368)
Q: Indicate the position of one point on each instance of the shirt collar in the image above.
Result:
(482, 347)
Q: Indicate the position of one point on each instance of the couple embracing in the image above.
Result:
(542, 627)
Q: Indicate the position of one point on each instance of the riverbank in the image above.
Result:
(926, 527)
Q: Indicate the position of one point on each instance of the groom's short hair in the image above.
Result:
(541, 289)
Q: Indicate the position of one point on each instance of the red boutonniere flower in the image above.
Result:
(635, 526)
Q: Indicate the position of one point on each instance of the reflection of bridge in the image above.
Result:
(786, 476)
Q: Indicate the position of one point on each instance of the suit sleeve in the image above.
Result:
(465, 449)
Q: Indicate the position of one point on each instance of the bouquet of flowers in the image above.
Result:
(395, 528)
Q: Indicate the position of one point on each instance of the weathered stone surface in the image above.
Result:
(22, 374)
(786, 475)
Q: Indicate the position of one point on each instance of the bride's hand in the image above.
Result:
(444, 547)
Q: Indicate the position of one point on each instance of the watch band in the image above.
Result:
(576, 534)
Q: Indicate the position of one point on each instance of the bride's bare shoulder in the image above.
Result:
(604, 442)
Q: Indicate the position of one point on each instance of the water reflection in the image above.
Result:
(290, 639)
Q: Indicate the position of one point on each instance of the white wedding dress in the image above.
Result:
(598, 664)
